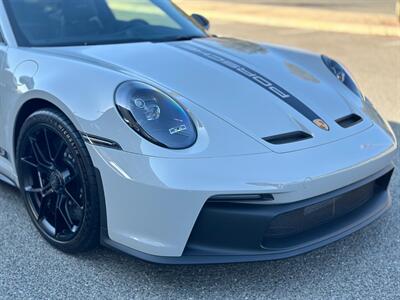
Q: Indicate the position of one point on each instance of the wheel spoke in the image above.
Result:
(30, 189)
(46, 139)
(42, 208)
(72, 198)
(57, 228)
(40, 179)
(61, 148)
(63, 210)
(47, 190)
(37, 152)
(28, 161)
(43, 191)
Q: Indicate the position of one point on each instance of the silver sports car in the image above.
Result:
(124, 123)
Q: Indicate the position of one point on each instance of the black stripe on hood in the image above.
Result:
(255, 77)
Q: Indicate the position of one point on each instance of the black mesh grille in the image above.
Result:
(307, 218)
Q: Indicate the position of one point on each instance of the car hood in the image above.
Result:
(285, 98)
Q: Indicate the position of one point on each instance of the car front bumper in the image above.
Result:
(159, 209)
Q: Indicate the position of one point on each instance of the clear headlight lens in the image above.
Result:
(155, 115)
(341, 74)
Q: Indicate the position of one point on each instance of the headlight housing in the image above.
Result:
(155, 115)
(341, 74)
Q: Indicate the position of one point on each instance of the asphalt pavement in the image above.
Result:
(365, 265)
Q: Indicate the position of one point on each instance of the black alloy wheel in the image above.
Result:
(58, 181)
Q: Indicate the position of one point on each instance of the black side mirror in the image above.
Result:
(202, 21)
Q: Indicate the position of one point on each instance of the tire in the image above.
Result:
(58, 181)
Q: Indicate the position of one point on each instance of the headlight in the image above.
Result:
(341, 74)
(155, 115)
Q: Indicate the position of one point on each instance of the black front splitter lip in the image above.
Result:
(371, 213)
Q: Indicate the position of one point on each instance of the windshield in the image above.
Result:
(46, 23)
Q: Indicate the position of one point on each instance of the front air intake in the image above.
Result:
(288, 138)
(241, 198)
(349, 121)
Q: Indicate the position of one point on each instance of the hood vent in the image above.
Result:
(288, 138)
(349, 120)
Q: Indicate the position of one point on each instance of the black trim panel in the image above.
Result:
(102, 205)
(255, 77)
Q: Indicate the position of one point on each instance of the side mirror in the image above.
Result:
(202, 21)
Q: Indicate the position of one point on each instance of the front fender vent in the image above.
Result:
(288, 138)
(349, 121)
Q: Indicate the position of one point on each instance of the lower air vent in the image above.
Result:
(288, 138)
(241, 198)
(349, 120)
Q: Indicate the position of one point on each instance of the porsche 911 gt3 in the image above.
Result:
(126, 124)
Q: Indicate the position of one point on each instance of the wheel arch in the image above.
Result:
(28, 108)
